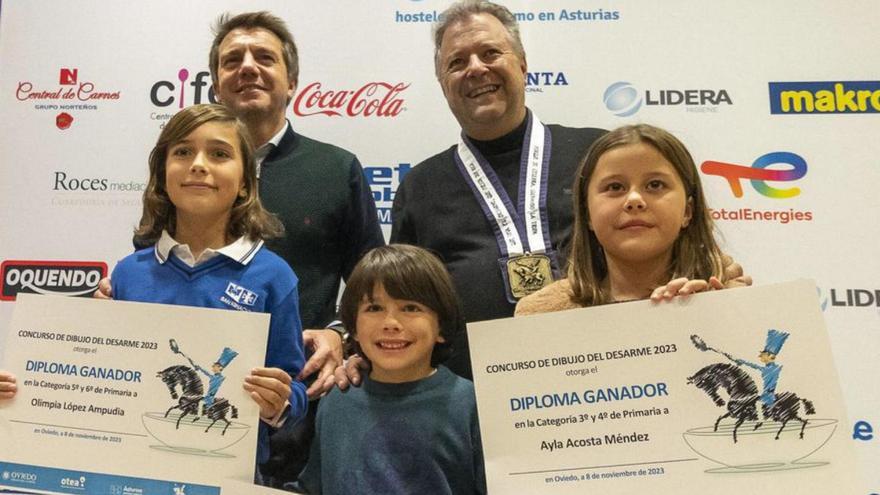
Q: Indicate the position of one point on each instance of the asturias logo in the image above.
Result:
(825, 97)
(58, 278)
(623, 99)
(379, 99)
(758, 174)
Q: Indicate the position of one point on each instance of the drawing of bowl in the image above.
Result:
(190, 436)
(758, 449)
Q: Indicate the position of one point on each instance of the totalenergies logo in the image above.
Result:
(373, 99)
(759, 173)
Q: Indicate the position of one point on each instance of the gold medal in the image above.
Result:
(528, 273)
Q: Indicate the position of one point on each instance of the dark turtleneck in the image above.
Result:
(504, 154)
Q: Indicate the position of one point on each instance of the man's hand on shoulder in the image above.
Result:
(733, 274)
(325, 346)
(351, 373)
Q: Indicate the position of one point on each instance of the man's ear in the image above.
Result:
(215, 85)
(291, 90)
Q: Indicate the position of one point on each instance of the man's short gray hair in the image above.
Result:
(461, 11)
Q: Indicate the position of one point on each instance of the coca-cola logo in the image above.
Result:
(379, 99)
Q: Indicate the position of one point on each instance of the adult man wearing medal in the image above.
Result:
(497, 206)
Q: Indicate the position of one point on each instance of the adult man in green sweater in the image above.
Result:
(317, 190)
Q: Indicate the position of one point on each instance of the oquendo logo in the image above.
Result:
(60, 278)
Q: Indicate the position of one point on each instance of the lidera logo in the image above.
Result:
(622, 99)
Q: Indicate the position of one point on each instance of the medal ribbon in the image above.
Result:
(517, 230)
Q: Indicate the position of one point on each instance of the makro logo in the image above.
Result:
(84, 91)
(537, 81)
(623, 99)
(19, 477)
(57, 278)
(383, 182)
(79, 483)
(183, 91)
(759, 173)
(825, 97)
(379, 99)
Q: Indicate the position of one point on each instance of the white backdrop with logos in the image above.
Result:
(786, 93)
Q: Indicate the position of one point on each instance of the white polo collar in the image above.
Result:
(241, 250)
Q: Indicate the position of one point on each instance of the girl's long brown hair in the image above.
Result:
(695, 253)
(248, 217)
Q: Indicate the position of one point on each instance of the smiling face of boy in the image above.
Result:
(397, 336)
